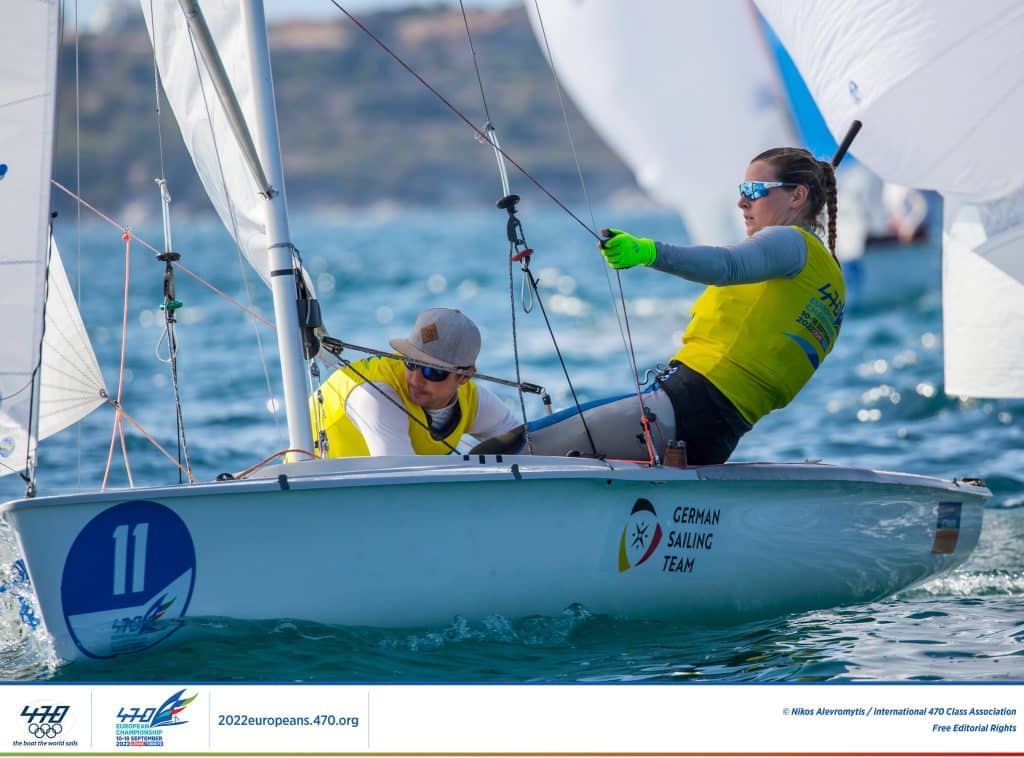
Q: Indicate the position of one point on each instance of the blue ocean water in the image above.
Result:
(877, 402)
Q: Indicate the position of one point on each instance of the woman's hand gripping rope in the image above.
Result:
(623, 250)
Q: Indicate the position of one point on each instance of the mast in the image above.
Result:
(261, 151)
(283, 269)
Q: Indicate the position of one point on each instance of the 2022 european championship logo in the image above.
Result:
(143, 726)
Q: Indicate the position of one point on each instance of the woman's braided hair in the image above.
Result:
(796, 165)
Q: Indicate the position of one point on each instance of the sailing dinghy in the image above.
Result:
(405, 541)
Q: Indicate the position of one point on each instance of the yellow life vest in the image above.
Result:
(759, 343)
(344, 437)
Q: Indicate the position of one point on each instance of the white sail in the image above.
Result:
(204, 125)
(28, 71)
(983, 297)
(939, 86)
(49, 377)
(71, 383)
(937, 83)
(684, 92)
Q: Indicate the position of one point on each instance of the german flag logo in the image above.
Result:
(640, 535)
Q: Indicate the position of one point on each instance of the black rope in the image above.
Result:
(515, 345)
(462, 116)
(528, 273)
(624, 328)
(28, 475)
(169, 307)
(476, 67)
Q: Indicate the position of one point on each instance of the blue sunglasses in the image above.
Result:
(756, 190)
(430, 373)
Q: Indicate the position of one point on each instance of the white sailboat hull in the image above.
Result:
(417, 541)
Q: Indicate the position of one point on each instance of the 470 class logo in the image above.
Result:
(640, 536)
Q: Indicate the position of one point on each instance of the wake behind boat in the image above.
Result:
(406, 541)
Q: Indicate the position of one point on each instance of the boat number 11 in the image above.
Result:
(138, 538)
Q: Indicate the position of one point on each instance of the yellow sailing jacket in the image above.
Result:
(344, 437)
(759, 343)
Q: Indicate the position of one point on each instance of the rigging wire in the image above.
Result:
(476, 66)
(78, 218)
(177, 264)
(624, 328)
(579, 168)
(272, 404)
(518, 251)
(398, 59)
(170, 303)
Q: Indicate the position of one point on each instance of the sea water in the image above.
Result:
(877, 402)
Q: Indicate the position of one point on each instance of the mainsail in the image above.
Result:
(939, 87)
(41, 388)
(664, 81)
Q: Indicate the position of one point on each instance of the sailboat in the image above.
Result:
(407, 541)
(714, 88)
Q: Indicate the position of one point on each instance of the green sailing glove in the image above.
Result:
(623, 250)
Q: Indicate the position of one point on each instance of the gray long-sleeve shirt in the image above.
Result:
(775, 252)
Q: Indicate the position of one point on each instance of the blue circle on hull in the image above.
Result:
(128, 579)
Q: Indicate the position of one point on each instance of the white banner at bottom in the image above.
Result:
(691, 719)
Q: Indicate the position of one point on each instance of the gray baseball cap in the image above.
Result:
(443, 336)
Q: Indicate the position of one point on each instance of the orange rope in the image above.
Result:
(225, 296)
(155, 444)
(119, 413)
(265, 461)
(127, 237)
(124, 452)
(176, 264)
(652, 458)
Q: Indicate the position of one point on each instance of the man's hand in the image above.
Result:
(623, 250)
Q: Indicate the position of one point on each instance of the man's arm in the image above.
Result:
(384, 424)
(492, 415)
(775, 252)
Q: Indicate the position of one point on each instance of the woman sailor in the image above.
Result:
(771, 314)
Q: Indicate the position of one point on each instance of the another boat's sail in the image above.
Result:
(983, 297)
(641, 73)
(31, 409)
(940, 89)
(204, 124)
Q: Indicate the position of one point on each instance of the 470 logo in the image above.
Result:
(143, 726)
(45, 722)
(168, 714)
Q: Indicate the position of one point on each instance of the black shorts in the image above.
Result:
(706, 420)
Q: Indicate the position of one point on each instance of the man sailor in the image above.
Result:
(387, 406)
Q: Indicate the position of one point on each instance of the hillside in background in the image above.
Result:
(356, 128)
